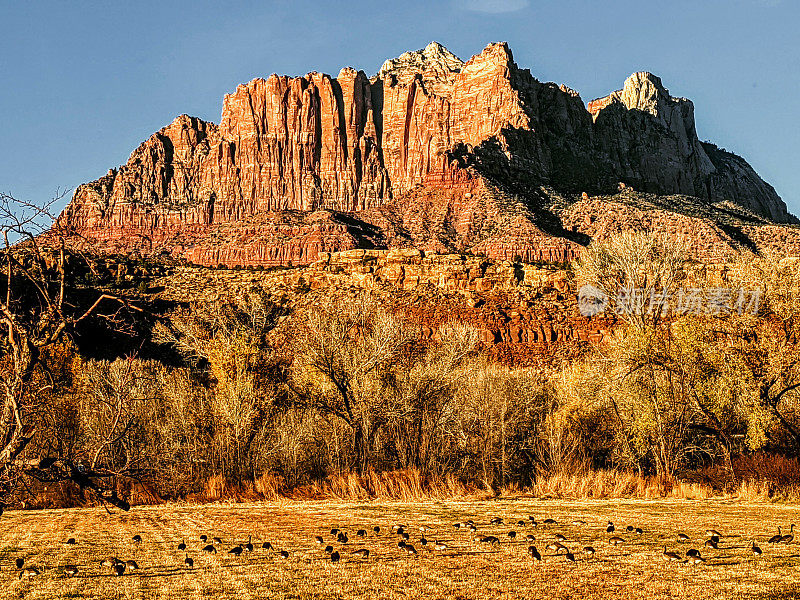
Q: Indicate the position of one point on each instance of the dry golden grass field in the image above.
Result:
(466, 569)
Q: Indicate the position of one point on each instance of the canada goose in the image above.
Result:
(376, 529)
(109, 561)
(776, 539)
(682, 537)
(496, 521)
(756, 550)
(29, 572)
(711, 544)
(342, 538)
(578, 522)
(361, 533)
(405, 536)
(472, 528)
(549, 522)
(217, 541)
(787, 539)
(638, 531)
(512, 534)
(532, 519)
(521, 523)
(71, 541)
(713, 533)
(534, 553)
(329, 549)
(131, 565)
(560, 537)
(629, 528)
(400, 530)
(267, 546)
(457, 525)
(616, 541)
(410, 549)
(70, 570)
(188, 561)
(319, 540)
(588, 550)
(334, 531)
(696, 560)
(236, 550)
(493, 540)
(204, 538)
(530, 538)
(557, 547)
(182, 545)
(210, 548)
(693, 552)
(423, 541)
(119, 569)
(671, 556)
(249, 545)
(361, 553)
(284, 554)
(395, 527)
(335, 557)
(610, 528)
(439, 546)
(137, 539)
(715, 539)
(19, 562)
(570, 556)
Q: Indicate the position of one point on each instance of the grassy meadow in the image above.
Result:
(466, 569)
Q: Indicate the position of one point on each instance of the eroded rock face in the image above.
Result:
(431, 152)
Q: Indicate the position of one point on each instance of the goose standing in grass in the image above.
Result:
(534, 553)
(713, 533)
(188, 561)
(440, 546)
(570, 556)
(423, 541)
(579, 522)
(249, 545)
(711, 543)
(610, 528)
(512, 534)
(670, 556)
(19, 562)
(530, 537)
(361, 553)
(71, 541)
(615, 541)
(588, 550)
(131, 565)
(70, 570)
(755, 549)
(319, 540)
(789, 537)
(329, 549)
(204, 538)
(638, 531)
(560, 537)
(550, 522)
(236, 550)
(682, 537)
(376, 529)
(335, 557)
(267, 546)
(629, 528)
(284, 554)
(217, 541)
(361, 533)
(775, 539)
(182, 545)
(210, 549)
(692, 552)
(137, 539)
(119, 569)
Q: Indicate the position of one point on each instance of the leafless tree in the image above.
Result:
(39, 307)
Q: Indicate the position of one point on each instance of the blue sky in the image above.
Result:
(83, 83)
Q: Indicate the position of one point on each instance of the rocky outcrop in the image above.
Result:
(431, 152)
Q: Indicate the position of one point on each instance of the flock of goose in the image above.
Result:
(557, 543)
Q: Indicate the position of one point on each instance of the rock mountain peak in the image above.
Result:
(433, 153)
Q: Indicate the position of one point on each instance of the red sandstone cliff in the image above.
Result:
(430, 153)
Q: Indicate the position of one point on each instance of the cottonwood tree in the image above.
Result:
(39, 307)
(346, 352)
